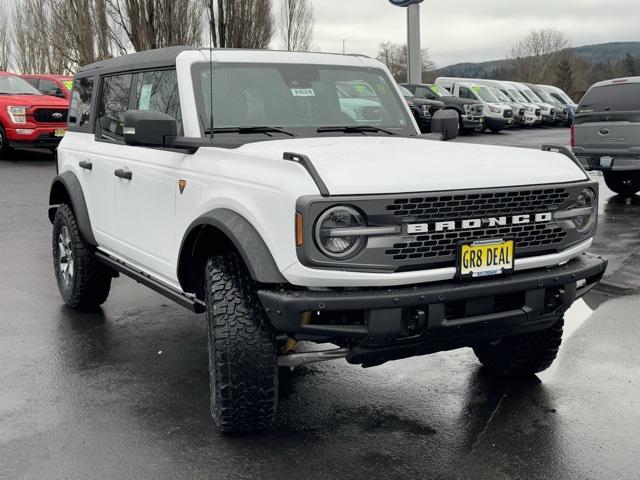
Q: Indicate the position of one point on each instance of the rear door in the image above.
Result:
(608, 121)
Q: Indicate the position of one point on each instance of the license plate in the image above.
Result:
(606, 161)
(59, 132)
(485, 258)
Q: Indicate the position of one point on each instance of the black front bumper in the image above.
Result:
(391, 323)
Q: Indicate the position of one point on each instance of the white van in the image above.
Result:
(497, 116)
(548, 111)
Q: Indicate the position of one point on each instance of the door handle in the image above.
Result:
(86, 165)
(122, 173)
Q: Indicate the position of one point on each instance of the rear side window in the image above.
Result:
(32, 81)
(615, 98)
(158, 91)
(114, 101)
(80, 110)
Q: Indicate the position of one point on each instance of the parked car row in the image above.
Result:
(495, 105)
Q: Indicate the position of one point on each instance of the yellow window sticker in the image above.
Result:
(68, 84)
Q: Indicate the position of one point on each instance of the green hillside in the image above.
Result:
(603, 52)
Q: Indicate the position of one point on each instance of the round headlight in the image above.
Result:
(586, 199)
(330, 240)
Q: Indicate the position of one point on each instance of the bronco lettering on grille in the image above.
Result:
(475, 223)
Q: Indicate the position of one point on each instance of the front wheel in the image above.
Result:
(623, 183)
(243, 369)
(83, 281)
(522, 355)
(4, 143)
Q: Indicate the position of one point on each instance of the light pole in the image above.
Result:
(414, 61)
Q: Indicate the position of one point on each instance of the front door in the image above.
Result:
(144, 179)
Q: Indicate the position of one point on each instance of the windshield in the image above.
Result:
(406, 92)
(561, 96)
(544, 96)
(616, 98)
(484, 93)
(533, 98)
(12, 85)
(516, 95)
(297, 98)
(499, 95)
(438, 90)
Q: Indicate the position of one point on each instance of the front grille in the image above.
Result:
(432, 246)
(445, 244)
(487, 204)
(47, 115)
(441, 247)
(508, 114)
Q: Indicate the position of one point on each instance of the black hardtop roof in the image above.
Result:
(150, 59)
(158, 58)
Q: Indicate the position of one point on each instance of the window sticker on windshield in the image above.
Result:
(476, 89)
(145, 96)
(434, 88)
(303, 92)
(68, 84)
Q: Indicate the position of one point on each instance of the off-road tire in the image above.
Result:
(90, 281)
(623, 183)
(243, 368)
(522, 355)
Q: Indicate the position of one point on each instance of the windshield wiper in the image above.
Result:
(355, 129)
(248, 130)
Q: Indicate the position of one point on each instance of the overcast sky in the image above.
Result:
(472, 30)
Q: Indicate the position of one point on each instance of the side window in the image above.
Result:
(80, 110)
(32, 81)
(424, 93)
(114, 101)
(464, 92)
(49, 88)
(158, 91)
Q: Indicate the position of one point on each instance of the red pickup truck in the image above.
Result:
(28, 118)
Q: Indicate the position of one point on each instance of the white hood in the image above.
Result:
(369, 165)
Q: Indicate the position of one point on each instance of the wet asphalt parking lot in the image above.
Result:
(122, 393)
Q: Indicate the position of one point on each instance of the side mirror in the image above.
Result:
(445, 122)
(145, 128)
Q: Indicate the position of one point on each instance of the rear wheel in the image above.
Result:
(83, 281)
(243, 369)
(522, 355)
(623, 183)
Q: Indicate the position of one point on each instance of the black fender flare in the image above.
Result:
(241, 234)
(66, 188)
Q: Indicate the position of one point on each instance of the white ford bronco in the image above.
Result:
(238, 184)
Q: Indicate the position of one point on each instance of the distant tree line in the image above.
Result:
(394, 56)
(58, 36)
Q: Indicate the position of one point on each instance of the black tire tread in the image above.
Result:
(615, 182)
(522, 355)
(92, 279)
(242, 349)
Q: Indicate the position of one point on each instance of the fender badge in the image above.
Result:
(181, 185)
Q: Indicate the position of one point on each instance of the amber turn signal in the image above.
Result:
(299, 235)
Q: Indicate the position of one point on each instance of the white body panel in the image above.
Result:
(143, 222)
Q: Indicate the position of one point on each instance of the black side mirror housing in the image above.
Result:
(145, 128)
(445, 122)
